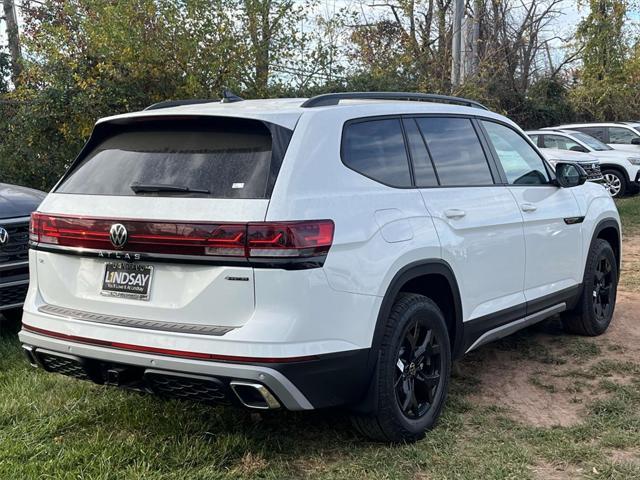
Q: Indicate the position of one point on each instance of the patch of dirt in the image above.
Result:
(556, 472)
(546, 378)
(625, 456)
(624, 331)
(506, 381)
(630, 280)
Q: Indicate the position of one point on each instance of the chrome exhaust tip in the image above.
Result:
(254, 395)
(29, 354)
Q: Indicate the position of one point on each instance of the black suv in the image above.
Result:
(16, 205)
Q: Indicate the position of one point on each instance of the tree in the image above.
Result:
(13, 36)
(604, 91)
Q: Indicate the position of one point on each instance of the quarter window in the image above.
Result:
(376, 149)
(521, 163)
(456, 151)
(621, 135)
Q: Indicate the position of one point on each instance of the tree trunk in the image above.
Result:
(14, 40)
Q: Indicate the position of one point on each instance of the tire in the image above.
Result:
(615, 182)
(414, 356)
(597, 303)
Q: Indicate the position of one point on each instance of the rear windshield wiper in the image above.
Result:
(161, 187)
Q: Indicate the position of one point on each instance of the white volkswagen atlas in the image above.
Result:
(294, 253)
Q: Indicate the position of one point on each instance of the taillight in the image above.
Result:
(34, 227)
(304, 239)
(289, 239)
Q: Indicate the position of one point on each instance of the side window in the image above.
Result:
(535, 139)
(376, 149)
(521, 163)
(596, 132)
(559, 142)
(621, 135)
(456, 151)
(423, 171)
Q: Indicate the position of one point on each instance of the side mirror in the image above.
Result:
(581, 149)
(570, 175)
(635, 141)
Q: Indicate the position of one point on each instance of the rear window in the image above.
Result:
(376, 149)
(218, 158)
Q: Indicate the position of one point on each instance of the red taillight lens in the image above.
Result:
(290, 239)
(142, 236)
(34, 227)
(264, 239)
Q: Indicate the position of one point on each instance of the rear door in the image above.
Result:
(149, 222)
(552, 264)
(478, 222)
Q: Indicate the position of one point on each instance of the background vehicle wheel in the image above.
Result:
(615, 183)
(413, 372)
(594, 311)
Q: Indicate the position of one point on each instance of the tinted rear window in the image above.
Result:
(219, 158)
(376, 149)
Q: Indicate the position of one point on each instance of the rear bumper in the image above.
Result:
(330, 380)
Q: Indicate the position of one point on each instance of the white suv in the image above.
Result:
(303, 254)
(623, 136)
(621, 169)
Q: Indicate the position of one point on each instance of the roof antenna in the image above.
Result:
(229, 97)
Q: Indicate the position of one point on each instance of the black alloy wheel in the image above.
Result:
(419, 369)
(603, 289)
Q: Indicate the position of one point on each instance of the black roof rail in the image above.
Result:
(227, 97)
(328, 99)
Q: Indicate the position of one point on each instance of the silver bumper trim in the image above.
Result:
(70, 313)
(276, 382)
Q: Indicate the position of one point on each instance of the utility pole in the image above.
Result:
(456, 57)
(13, 36)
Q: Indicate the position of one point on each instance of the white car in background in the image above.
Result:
(623, 136)
(620, 169)
(588, 162)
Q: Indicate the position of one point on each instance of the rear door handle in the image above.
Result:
(454, 213)
(528, 207)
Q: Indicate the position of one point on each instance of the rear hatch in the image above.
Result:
(150, 222)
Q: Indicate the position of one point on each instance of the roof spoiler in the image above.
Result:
(227, 97)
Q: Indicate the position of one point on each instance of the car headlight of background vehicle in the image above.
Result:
(634, 160)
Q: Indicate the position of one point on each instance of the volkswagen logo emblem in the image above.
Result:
(4, 237)
(118, 235)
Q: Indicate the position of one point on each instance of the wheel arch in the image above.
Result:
(609, 230)
(435, 279)
(617, 168)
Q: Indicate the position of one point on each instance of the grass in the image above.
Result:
(54, 427)
(629, 209)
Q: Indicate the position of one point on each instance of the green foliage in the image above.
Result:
(608, 80)
(86, 59)
(5, 71)
(94, 58)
